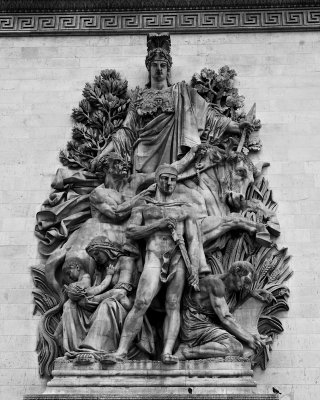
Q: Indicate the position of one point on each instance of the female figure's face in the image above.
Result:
(159, 70)
(99, 257)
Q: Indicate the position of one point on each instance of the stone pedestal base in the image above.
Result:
(225, 378)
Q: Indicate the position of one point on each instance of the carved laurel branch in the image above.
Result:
(100, 113)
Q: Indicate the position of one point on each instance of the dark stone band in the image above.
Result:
(178, 21)
(153, 397)
(35, 6)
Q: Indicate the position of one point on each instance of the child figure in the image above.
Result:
(81, 290)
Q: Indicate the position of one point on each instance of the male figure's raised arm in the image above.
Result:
(105, 201)
(109, 203)
(183, 164)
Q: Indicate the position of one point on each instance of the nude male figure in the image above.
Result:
(122, 190)
(154, 221)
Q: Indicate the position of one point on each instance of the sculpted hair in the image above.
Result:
(71, 263)
(234, 157)
(112, 250)
(106, 162)
(241, 268)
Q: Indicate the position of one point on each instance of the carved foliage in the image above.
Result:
(271, 270)
(49, 304)
(218, 88)
(98, 116)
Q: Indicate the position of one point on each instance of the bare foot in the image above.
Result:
(85, 358)
(169, 358)
(112, 358)
(180, 353)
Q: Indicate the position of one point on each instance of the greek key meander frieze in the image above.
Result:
(37, 6)
(132, 22)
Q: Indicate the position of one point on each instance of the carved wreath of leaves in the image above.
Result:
(100, 113)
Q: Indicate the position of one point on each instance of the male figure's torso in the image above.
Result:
(209, 286)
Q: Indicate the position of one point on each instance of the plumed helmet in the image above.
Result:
(158, 46)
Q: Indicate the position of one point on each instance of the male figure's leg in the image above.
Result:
(172, 319)
(148, 287)
(222, 348)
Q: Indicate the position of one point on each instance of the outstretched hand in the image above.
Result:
(263, 295)
(149, 191)
(75, 292)
(258, 341)
(200, 149)
(193, 279)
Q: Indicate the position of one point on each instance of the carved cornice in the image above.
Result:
(114, 17)
(145, 5)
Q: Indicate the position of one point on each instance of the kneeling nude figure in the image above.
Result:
(208, 329)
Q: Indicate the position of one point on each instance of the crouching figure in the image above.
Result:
(208, 328)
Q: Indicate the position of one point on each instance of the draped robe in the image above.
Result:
(157, 136)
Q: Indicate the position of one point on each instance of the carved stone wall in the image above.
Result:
(131, 16)
(41, 81)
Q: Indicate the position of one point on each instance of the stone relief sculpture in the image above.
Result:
(159, 216)
(208, 328)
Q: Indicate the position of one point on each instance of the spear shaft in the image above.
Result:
(249, 118)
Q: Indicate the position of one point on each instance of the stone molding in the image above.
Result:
(154, 397)
(151, 5)
(138, 17)
(70, 378)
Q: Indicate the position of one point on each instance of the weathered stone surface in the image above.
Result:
(295, 375)
(189, 146)
(204, 376)
(170, 396)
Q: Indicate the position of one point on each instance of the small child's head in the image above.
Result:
(71, 271)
